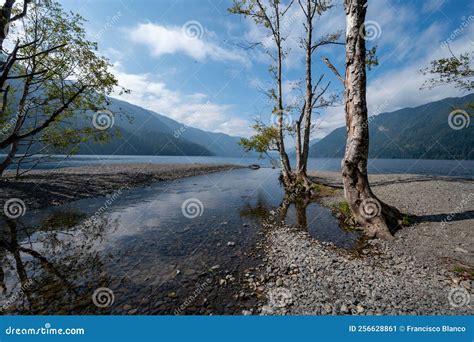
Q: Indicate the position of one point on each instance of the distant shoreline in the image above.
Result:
(45, 188)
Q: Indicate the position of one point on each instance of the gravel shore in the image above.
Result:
(44, 188)
(427, 269)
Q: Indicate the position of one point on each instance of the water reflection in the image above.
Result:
(152, 258)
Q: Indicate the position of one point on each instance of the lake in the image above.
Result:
(149, 251)
(457, 168)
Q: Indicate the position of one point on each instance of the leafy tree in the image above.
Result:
(52, 76)
(456, 70)
(269, 15)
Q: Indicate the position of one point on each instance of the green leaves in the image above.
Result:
(264, 141)
(456, 70)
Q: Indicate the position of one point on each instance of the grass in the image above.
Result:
(469, 273)
(407, 221)
(345, 209)
(322, 190)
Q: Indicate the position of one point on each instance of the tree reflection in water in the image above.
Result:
(43, 270)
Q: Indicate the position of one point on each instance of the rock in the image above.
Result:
(279, 282)
(461, 250)
(267, 310)
(231, 243)
(215, 267)
(360, 309)
(344, 308)
(246, 312)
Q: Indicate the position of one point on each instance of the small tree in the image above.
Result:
(270, 18)
(314, 93)
(53, 77)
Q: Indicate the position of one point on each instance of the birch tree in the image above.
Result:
(375, 216)
(269, 15)
(314, 92)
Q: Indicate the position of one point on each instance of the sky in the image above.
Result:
(186, 59)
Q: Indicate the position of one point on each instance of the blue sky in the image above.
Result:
(183, 58)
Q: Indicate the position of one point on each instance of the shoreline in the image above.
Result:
(417, 273)
(298, 275)
(44, 188)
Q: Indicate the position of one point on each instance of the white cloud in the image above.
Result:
(400, 87)
(188, 40)
(194, 110)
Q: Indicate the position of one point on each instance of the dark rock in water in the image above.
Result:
(254, 167)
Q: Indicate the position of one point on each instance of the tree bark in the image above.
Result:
(301, 172)
(287, 176)
(371, 213)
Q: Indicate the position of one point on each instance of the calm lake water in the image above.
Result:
(458, 168)
(155, 257)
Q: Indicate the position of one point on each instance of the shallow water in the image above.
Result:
(155, 256)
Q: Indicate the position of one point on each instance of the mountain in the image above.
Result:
(143, 132)
(422, 132)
